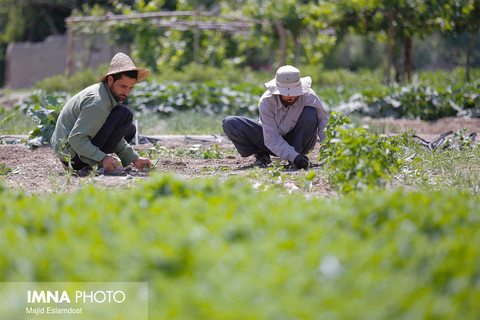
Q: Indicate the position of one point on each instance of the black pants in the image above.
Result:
(119, 125)
(247, 134)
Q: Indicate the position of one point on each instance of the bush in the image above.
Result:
(355, 158)
(415, 101)
(194, 72)
(77, 82)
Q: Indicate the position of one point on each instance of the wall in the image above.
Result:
(27, 63)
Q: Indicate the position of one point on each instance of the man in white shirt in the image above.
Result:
(292, 117)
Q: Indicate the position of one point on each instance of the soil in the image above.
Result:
(39, 171)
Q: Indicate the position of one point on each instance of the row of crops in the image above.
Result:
(413, 101)
(211, 250)
(224, 250)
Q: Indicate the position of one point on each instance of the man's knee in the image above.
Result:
(132, 130)
(309, 112)
(229, 124)
(309, 116)
(123, 113)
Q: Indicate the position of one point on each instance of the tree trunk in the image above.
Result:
(283, 43)
(70, 50)
(298, 49)
(471, 45)
(408, 57)
(389, 46)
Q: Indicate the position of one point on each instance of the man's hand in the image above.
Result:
(109, 163)
(141, 163)
(302, 162)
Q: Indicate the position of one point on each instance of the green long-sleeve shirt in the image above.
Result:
(80, 120)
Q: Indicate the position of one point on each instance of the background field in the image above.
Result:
(381, 227)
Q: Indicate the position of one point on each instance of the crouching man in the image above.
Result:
(292, 117)
(94, 123)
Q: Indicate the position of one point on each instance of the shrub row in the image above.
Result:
(206, 97)
(415, 101)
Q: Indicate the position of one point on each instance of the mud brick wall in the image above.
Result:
(29, 62)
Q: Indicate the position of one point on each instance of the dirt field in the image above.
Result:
(39, 171)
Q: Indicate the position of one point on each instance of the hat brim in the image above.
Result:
(142, 74)
(303, 86)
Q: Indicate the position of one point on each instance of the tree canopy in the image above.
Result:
(281, 31)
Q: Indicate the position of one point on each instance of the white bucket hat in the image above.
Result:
(287, 82)
(121, 63)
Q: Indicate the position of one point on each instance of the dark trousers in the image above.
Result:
(119, 125)
(247, 134)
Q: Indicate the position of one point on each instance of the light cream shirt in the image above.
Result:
(278, 120)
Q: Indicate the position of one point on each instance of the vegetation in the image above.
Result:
(212, 250)
(279, 32)
(358, 160)
(225, 251)
(173, 107)
(416, 101)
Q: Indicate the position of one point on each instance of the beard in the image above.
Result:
(119, 98)
(288, 102)
(116, 95)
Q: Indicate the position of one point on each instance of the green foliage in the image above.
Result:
(44, 110)
(196, 151)
(455, 164)
(416, 101)
(196, 72)
(355, 158)
(212, 251)
(72, 85)
(208, 97)
(12, 121)
(4, 170)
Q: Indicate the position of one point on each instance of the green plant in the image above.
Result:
(212, 250)
(355, 159)
(44, 110)
(4, 169)
(416, 101)
(77, 82)
(13, 121)
(455, 164)
(209, 97)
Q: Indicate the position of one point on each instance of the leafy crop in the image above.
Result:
(44, 110)
(196, 151)
(207, 97)
(224, 251)
(356, 158)
(416, 101)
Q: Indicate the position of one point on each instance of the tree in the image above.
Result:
(302, 21)
(398, 20)
(460, 17)
(34, 20)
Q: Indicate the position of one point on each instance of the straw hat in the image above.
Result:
(121, 63)
(287, 82)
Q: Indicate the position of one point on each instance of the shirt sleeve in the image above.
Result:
(125, 152)
(272, 137)
(88, 123)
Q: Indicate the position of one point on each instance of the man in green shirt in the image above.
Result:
(94, 123)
